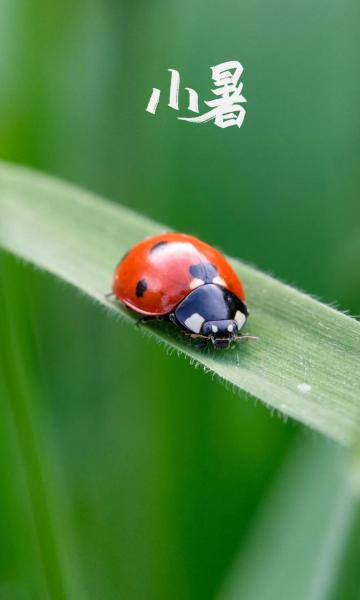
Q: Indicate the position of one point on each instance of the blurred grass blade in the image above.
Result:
(306, 364)
(296, 547)
(53, 574)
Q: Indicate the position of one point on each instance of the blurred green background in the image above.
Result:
(125, 473)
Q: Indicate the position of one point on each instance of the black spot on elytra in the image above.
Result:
(204, 271)
(158, 245)
(141, 288)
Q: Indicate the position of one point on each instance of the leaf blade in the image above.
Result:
(308, 515)
(79, 237)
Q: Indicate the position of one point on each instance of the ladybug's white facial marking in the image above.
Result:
(214, 329)
(194, 283)
(219, 281)
(194, 323)
(230, 327)
(240, 318)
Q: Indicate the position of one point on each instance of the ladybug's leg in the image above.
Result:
(203, 340)
(144, 320)
(202, 344)
(110, 296)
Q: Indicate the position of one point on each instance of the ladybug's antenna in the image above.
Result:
(245, 337)
(198, 336)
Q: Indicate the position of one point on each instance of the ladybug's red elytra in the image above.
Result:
(178, 277)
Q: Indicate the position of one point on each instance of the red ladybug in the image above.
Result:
(180, 278)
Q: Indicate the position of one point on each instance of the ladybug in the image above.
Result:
(178, 277)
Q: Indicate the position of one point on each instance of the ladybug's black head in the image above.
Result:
(213, 313)
(220, 333)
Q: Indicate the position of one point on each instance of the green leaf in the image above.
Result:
(295, 548)
(306, 362)
(48, 567)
